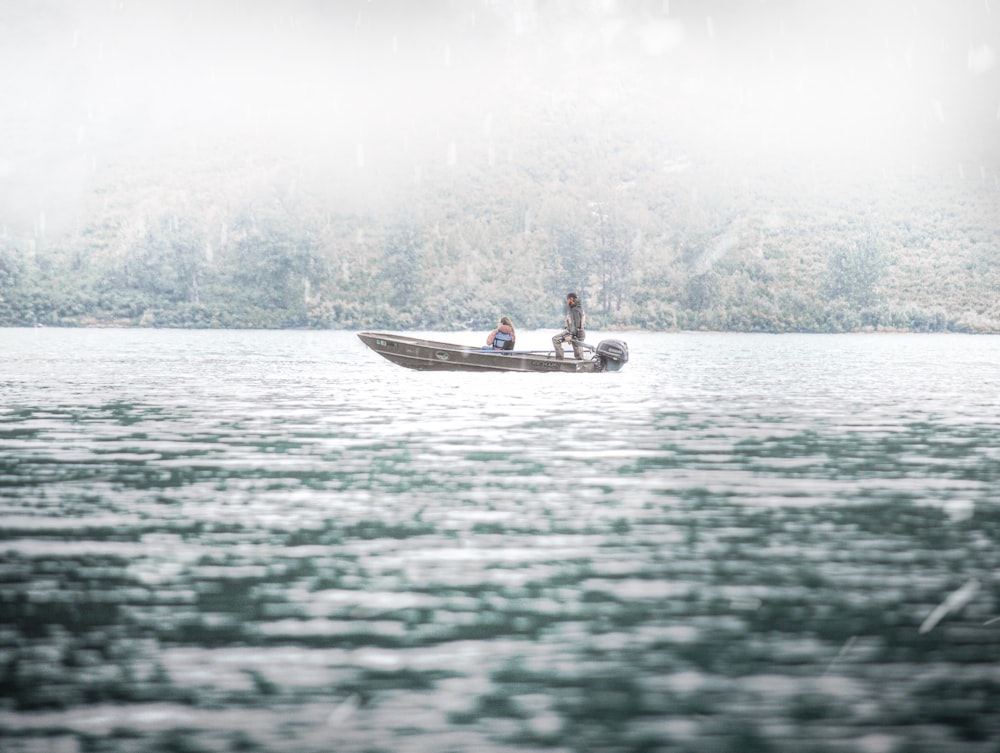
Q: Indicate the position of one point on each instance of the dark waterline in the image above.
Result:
(217, 540)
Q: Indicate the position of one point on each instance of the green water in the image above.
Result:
(278, 541)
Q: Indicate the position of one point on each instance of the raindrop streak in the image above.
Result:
(955, 601)
(840, 654)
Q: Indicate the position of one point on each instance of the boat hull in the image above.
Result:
(428, 355)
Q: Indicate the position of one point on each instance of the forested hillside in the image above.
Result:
(666, 201)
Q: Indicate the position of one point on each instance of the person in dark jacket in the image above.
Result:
(575, 330)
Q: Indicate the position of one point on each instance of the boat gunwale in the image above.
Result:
(413, 361)
(486, 350)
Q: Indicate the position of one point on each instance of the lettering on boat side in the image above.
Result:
(441, 355)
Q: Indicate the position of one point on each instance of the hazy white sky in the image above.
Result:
(85, 81)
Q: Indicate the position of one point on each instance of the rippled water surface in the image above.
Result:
(278, 541)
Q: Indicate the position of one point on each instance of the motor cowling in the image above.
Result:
(612, 354)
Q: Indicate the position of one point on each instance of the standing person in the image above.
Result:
(575, 331)
(503, 337)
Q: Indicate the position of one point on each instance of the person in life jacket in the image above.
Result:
(503, 337)
(575, 330)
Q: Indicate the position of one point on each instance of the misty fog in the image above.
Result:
(400, 87)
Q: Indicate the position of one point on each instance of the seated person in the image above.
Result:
(503, 337)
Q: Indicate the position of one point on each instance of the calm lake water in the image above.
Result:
(279, 541)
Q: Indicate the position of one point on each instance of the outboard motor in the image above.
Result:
(611, 355)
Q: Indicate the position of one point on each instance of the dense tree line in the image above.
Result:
(651, 237)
